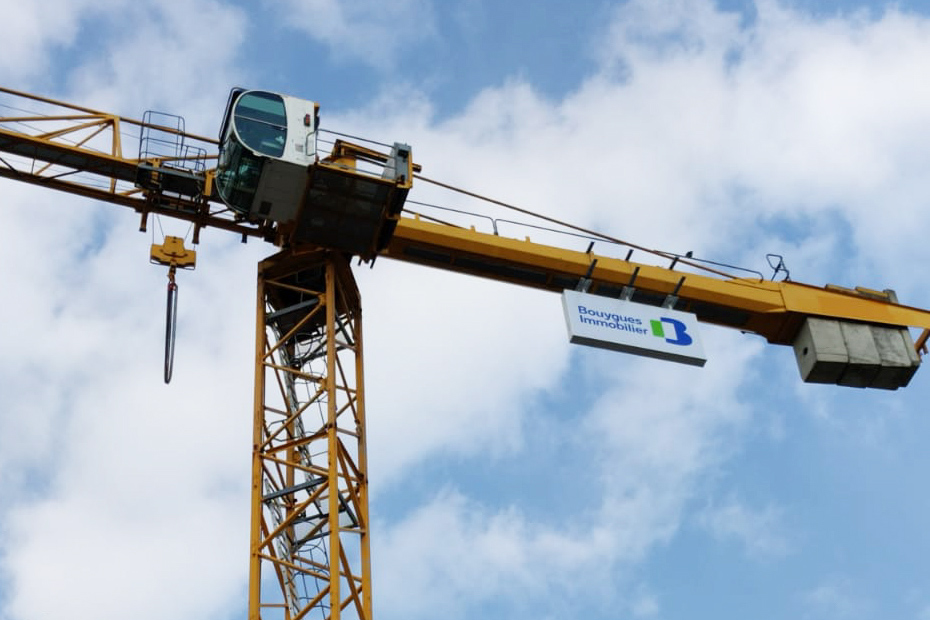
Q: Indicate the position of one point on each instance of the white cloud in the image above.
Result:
(837, 598)
(107, 473)
(172, 60)
(648, 454)
(32, 31)
(373, 32)
(451, 362)
(140, 551)
(645, 605)
(457, 555)
(759, 531)
(658, 430)
(799, 115)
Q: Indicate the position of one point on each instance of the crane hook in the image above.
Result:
(172, 254)
(171, 324)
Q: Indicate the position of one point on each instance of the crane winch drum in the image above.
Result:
(269, 170)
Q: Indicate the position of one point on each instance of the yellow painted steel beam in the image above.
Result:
(310, 554)
(76, 111)
(78, 150)
(45, 148)
(774, 310)
(73, 164)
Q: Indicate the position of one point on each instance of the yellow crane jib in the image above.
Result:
(855, 338)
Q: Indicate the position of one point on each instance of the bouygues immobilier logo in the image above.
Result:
(632, 327)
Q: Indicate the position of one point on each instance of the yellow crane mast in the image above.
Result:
(266, 178)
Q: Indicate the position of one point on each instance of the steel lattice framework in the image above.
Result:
(309, 539)
(309, 470)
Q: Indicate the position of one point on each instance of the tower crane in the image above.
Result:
(266, 178)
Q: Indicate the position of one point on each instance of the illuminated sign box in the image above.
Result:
(633, 328)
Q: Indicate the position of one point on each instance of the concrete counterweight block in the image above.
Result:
(855, 354)
(821, 351)
(864, 361)
(899, 357)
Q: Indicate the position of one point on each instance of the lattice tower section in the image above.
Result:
(309, 541)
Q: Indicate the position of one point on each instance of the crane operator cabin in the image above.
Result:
(267, 171)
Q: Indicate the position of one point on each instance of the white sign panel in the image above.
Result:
(633, 328)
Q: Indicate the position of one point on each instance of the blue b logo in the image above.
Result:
(681, 336)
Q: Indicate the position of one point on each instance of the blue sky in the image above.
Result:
(513, 475)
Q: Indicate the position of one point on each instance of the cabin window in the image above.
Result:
(238, 173)
(261, 122)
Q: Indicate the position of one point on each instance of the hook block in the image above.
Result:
(172, 253)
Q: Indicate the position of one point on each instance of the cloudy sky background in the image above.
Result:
(512, 475)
